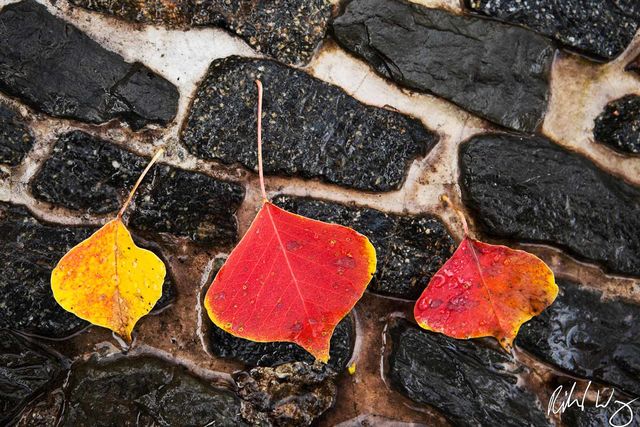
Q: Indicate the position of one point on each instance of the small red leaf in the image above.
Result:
(486, 290)
(292, 279)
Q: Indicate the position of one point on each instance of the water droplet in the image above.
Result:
(220, 296)
(437, 281)
(244, 286)
(335, 285)
(345, 261)
(435, 303)
(447, 272)
(296, 327)
(293, 245)
(332, 242)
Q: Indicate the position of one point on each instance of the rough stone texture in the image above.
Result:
(15, 139)
(530, 189)
(25, 370)
(145, 391)
(311, 129)
(88, 174)
(225, 345)
(410, 249)
(288, 30)
(469, 383)
(29, 250)
(55, 68)
(293, 394)
(618, 125)
(42, 412)
(599, 28)
(497, 71)
(590, 416)
(588, 337)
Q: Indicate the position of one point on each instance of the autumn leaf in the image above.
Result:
(107, 279)
(485, 290)
(290, 278)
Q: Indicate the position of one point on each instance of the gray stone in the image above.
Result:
(85, 173)
(289, 30)
(15, 138)
(311, 129)
(55, 68)
(469, 383)
(530, 189)
(599, 28)
(618, 126)
(497, 71)
(588, 337)
(410, 249)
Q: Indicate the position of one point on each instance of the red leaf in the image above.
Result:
(486, 290)
(291, 278)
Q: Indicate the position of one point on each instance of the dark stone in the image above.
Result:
(293, 394)
(410, 249)
(497, 71)
(311, 129)
(15, 139)
(599, 28)
(469, 383)
(85, 173)
(42, 412)
(289, 30)
(25, 370)
(618, 125)
(615, 414)
(55, 68)
(223, 344)
(634, 65)
(530, 189)
(29, 250)
(588, 337)
(145, 391)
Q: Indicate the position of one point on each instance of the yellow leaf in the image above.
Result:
(108, 280)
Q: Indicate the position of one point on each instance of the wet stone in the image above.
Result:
(410, 249)
(599, 28)
(289, 30)
(292, 394)
(88, 174)
(15, 139)
(311, 129)
(470, 384)
(29, 250)
(588, 337)
(145, 391)
(55, 68)
(614, 414)
(618, 125)
(497, 71)
(25, 371)
(223, 344)
(530, 189)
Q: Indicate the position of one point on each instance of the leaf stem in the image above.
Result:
(260, 171)
(135, 187)
(458, 212)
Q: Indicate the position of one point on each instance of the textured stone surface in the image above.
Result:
(55, 68)
(470, 384)
(410, 249)
(293, 394)
(497, 71)
(615, 414)
(289, 30)
(588, 337)
(223, 344)
(618, 125)
(600, 28)
(311, 129)
(25, 370)
(15, 139)
(145, 391)
(88, 174)
(530, 189)
(29, 250)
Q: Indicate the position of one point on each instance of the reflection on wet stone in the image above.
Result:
(530, 189)
(410, 249)
(588, 337)
(15, 138)
(497, 71)
(469, 383)
(618, 125)
(311, 129)
(55, 68)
